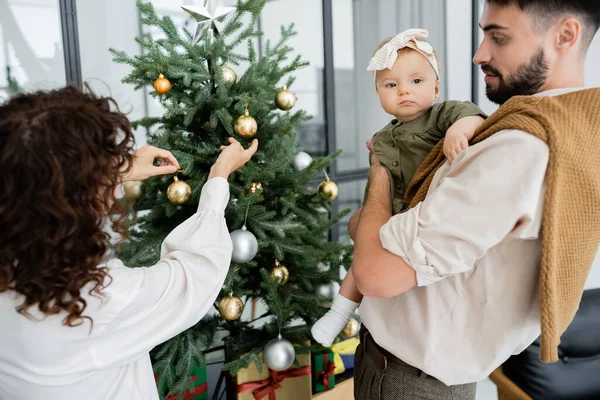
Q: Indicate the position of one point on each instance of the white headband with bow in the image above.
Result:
(386, 56)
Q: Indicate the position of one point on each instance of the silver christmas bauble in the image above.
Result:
(327, 289)
(279, 354)
(302, 161)
(245, 246)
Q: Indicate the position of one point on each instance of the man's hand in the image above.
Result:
(353, 223)
(375, 164)
(369, 255)
(379, 183)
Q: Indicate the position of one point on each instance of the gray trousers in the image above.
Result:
(398, 382)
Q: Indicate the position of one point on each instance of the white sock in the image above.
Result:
(326, 329)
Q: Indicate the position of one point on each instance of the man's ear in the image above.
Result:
(568, 33)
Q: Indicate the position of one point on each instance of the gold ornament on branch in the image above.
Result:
(328, 189)
(162, 85)
(245, 125)
(229, 76)
(285, 100)
(231, 307)
(179, 192)
(351, 328)
(255, 188)
(132, 189)
(280, 273)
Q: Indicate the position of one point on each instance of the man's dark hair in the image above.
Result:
(546, 12)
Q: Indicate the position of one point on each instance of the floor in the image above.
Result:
(486, 390)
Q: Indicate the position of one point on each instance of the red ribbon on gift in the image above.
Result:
(327, 372)
(190, 394)
(260, 389)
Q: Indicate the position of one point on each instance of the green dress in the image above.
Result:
(402, 146)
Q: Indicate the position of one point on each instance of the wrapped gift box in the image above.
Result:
(344, 354)
(323, 368)
(291, 384)
(199, 392)
(342, 391)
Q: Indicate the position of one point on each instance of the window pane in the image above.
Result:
(348, 72)
(100, 28)
(308, 43)
(31, 51)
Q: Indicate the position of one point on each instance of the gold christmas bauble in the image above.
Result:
(285, 100)
(179, 192)
(329, 189)
(229, 76)
(162, 85)
(280, 273)
(132, 189)
(231, 307)
(245, 125)
(255, 188)
(351, 328)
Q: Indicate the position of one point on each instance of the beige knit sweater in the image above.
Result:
(570, 126)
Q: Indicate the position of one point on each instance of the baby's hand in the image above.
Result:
(454, 143)
(459, 134)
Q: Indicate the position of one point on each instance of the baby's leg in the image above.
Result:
(326, 329)
(349, 289)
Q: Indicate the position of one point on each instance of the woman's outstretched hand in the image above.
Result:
(232, 157)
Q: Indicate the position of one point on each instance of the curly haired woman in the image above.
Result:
(75, 324)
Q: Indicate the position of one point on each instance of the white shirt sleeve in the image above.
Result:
(156, 303)
(492, 189)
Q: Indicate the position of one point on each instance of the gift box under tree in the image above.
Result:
(323, 369)
(343, 358)
(199, 391)
(291, 384)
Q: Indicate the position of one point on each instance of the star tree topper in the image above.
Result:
(209, 16)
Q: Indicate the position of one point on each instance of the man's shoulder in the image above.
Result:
(519, 141)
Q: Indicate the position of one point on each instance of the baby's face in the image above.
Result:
(410, 88)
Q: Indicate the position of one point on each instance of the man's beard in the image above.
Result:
(528, 79)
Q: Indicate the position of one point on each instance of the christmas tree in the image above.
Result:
(276, 198)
